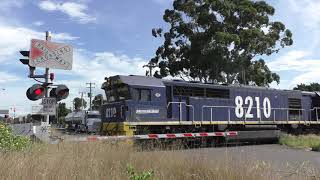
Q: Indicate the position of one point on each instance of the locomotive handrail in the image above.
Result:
(206, 106)
(316, 110)
(245, 108)
(180, 109)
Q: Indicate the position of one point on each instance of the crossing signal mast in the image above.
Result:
(44, 53)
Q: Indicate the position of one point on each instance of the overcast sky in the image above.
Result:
(114, 37)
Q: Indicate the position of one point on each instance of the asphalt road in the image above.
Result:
(280, 157)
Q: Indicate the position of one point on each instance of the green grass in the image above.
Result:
(302, 141)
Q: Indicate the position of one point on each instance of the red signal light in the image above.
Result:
(38, 91)
(35, 92)
(60, 92)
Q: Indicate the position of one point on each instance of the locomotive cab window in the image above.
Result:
(141, 94)
(116, 90)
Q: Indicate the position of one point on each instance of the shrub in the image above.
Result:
(302, 141)
(145, 175)
(10, 141)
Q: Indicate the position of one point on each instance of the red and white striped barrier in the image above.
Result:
(185, 135)
(155, 136)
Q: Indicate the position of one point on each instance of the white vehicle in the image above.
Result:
(86, 121)
(93, 121)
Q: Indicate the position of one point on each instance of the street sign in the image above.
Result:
(50, 55)
(49, 106)
(36, 109)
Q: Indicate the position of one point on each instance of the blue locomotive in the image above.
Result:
(140, 104)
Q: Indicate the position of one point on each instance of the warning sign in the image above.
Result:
(50, 55)
(49, 106)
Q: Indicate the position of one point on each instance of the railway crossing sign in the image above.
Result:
(49, 106)
(50, 55)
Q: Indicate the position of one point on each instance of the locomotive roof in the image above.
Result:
(141, 81)
(135, 80)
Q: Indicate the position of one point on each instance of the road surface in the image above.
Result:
(279, 156)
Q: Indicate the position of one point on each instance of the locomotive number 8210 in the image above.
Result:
(241, 111)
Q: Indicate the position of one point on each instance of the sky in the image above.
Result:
(112, 37)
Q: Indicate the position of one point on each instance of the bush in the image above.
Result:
(146, 175)
(302, 141)
(10, 141)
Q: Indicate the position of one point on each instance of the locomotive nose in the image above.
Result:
(113, 112)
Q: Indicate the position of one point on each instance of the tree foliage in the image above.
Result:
(311, 87)
(78, 103)
(63, 110)
(219, 40)
(97, 102)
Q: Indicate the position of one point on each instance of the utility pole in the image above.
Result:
(46, 78)
(91, 85)
(82, 103)
(150, 66)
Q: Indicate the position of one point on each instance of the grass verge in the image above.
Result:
(302, 141)
(102, 160)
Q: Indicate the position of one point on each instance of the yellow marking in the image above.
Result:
(118, 128)
(197, 123)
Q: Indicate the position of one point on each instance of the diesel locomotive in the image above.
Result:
(139, 105)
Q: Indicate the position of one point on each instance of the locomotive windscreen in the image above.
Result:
(116, 90)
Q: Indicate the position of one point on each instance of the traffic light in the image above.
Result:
(25, 54)
(35, 92)
(60, 92)
(25, 61)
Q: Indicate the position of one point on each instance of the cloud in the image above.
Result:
(6, 77)
(92, 66)
(297, 61)
(6, 5)
(293, 61)
(309, 11)
(15, 38)
(163, 2)
(74, 10)
(304, 16)
(38, 23)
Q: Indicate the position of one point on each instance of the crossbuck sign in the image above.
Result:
(50, 55)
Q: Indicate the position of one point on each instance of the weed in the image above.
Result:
(145, 175)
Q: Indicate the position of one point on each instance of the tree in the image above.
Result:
(311, 87)
(214, 40)
(63, 110)
(97, 102)
(78, 103)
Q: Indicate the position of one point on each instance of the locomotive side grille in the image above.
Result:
(188, 91)
(200, 92)
(294, 104)
(218, 93)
